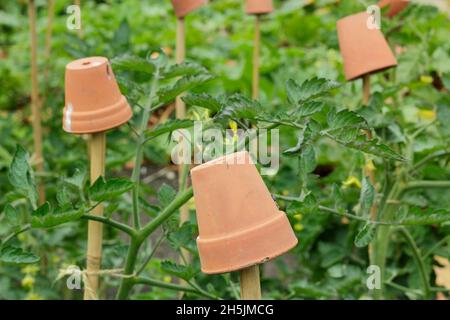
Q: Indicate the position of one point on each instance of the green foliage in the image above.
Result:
(21, 176)
(13, 255)
(47, 217)
(183, 272)
(103, 190)
(365, 235)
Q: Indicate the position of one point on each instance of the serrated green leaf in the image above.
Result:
(21, 175)
(309, 108)
(187, 68)
(14, 255)
(11, 215)
(345, 119)
(370, 146)
(307, 161)
(184, 84)
(129, 62)
(103, 190)
(309, 89)
(183, 237)
(168, 127)
(78, 179)
(203, 100)
(366, 197)
(46, 217)
(417, 216)
(238, 106)
(166, 194)
(183, 272)
(365, 235)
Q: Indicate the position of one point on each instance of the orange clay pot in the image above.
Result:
(396, 6)
(364, 50)
(184, 7)
(258, 6)
(239, 223)
(93, 99)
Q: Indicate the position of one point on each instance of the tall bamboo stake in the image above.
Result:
(250, 283)
(35, 107)
(79, 31)
(180, 109)
(256, 49)
(95, 229)
(369, 169)
(48, 37)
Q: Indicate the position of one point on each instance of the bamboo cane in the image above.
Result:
(256, 49)
(95, 229)
(35, 107)
(250, 284)
(48, 37)
(180, 110)
(80, 30)
(369, 170)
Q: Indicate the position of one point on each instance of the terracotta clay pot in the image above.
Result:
(93, 99)
(364, 50)
(184, 7)
(258, 6)
(239, 223)
(395, 6)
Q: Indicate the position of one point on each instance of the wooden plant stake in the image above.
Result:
(182, 8)
(180, 110)
(256, 51)
(35, 105)
(250, 283)
(91, 111)
(95, 229)
(48, 36)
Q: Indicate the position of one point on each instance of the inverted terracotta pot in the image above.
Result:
(239, 223)
(258, 6)
(93, 99)
(184, 7)
(363, 50)
(395, 6)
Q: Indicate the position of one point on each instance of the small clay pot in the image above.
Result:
(93, 99)
(239, 223)
(395, 6)
(364, 50)
(184, 7)
(258, 6)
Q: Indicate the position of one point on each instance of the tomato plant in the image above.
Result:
(324, 152)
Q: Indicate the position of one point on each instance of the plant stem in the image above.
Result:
(130, 262)
(419, 261)
(142, 234)
(171, 286)
(437, 245)
(136, 175)
(15, 234)
(115, 224)
(150, 256)
(424, 184)
(181, 199)
(437, 154)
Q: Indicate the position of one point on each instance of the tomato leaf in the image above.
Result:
(365, 235)
(14, 255)
(103, 190)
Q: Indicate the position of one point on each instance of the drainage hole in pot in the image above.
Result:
(86, 63)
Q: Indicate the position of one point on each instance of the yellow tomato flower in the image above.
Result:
(352, 181)
(285, 193)
(28, 281)
(370, 167)
(167, 279)
(426, 79)
(298, 227)
(30, 269)
(427, 115)
(33, 296)
(298, 216)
